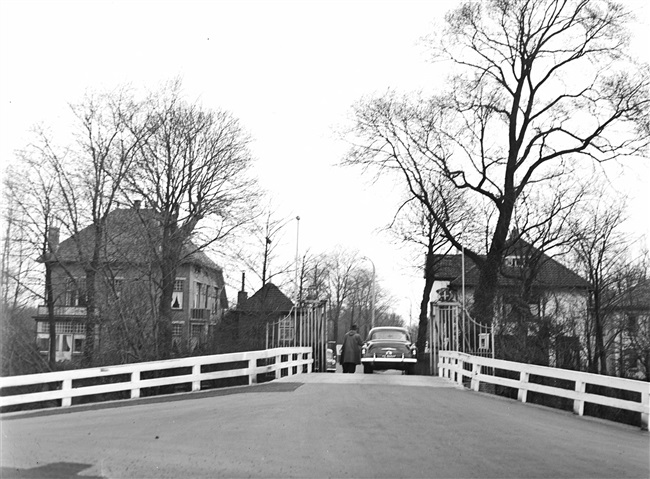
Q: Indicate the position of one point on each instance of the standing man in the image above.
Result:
(351, 350)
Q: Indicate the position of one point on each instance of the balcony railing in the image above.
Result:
(73, 311)
(200, 313)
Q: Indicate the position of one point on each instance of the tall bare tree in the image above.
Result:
(193, 171)
(536, 88)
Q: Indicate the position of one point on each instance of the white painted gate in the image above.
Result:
(303, 326)
(452, 329)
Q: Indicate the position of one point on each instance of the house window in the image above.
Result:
(197, 331)
(177, 335)
(75, 292)
(200, 296)
(69, 339)
(214, 306)
(514, 261)
(78, 344)
(177, 329)
(197, 295)
(286, 329)
(177, 295)
(43, 343)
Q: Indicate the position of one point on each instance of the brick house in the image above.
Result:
(126, 289)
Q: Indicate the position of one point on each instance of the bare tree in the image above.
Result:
(600, 249)
(31, 236)
(537, 87)
(192, 170)
(258, 249)
(415, 225)
(340, 266)
(23, 242)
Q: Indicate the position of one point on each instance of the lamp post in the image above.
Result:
(295, 313)
(372, 294)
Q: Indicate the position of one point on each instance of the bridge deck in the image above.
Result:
(323, 425)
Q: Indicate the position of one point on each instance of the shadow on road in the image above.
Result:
(55, 470)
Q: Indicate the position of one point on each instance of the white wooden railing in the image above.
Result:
(452, 365)
(63, 389)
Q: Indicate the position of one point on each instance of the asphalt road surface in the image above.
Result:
(322, 425)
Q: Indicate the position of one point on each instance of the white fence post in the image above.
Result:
(310, 355)
(252, 375)
(645, 400)
(460, 366)
(278, 366)
(66, 385)
(579, 404)
(476, 370)
(196, 375)
(135, 381)
(522, 393)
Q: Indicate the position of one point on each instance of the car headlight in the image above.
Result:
(363, 350)
(414, 351)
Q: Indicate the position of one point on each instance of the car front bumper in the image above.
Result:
(382, 361)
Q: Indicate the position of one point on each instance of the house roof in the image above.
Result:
(550, 273)
(268, 298)
(129, 237)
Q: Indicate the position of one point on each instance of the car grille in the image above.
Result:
(388, 353)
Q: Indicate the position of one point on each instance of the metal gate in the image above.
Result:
(303, 326)
(452, 329)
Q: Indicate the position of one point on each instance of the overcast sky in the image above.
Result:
(289, 70)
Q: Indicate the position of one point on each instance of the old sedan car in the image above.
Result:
(388, 347)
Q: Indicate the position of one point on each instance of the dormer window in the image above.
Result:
(514, 262)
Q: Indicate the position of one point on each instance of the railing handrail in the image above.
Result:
(135, 383)
(568, 374)
(452, 366)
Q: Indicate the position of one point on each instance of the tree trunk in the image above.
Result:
(483, 308)
(423, 323)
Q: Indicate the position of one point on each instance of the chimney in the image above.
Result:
(53, 239)
(136, 204)
(242, 295)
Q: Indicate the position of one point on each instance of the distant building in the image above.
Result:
(540, 304)
(127, 288)
(265, 316)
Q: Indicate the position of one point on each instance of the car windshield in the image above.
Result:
(389, 334)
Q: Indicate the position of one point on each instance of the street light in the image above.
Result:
(372, 294)
(297, 295)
